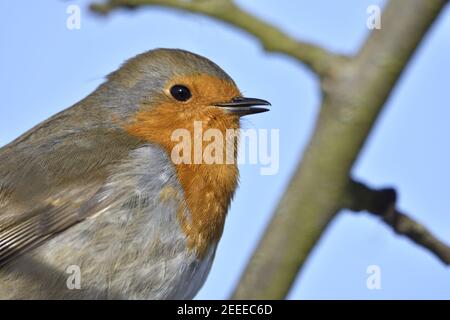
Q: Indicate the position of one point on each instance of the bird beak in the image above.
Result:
(241, 106)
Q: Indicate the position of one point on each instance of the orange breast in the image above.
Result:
(208, 188)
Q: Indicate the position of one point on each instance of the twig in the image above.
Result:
(382, 203)
(272, 38)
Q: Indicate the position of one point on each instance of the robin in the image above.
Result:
(92, 205)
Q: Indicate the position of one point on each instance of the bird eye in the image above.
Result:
(180, 92)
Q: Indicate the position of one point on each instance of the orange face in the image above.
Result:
(156, 123)
(208, 188)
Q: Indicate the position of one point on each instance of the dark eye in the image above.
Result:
(180, 92)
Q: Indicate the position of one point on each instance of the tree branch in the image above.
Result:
(272, 39)
(354, 94)
(382, 203)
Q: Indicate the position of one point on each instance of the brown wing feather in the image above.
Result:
(32, 230)
(47, 186)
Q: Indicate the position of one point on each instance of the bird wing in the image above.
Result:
(48, 182)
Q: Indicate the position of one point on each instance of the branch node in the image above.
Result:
(382, 203)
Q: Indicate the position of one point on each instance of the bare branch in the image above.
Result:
(355, 93)
(382, 203)
(272, 39)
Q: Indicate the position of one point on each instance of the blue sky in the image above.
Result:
(44, 68)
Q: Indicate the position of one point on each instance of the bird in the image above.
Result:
(92, 204)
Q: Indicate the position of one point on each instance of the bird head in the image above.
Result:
(162, 90)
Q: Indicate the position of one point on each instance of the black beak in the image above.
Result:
(244, 106)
